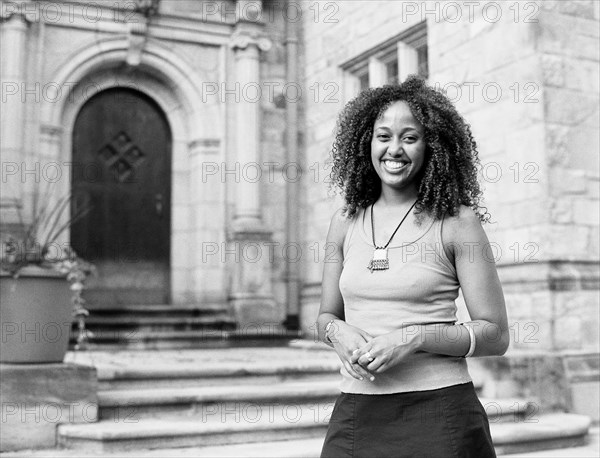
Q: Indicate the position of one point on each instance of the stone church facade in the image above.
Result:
(214, 174)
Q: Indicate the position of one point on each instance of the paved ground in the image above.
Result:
(288, 449)
(591, 450)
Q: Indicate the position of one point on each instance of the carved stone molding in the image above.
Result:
(204, 143)
(243, 39)
(51, 131)
(27, 14)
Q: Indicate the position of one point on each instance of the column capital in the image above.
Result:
(241, 39)
(19, 10)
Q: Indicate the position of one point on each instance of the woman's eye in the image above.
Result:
(383, 137)
(410, 139)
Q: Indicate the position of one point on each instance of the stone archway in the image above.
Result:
(197, 133)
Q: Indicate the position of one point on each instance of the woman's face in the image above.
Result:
(397, 147)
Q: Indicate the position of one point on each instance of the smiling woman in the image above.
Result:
(404, 156)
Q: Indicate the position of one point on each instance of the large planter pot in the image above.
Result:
(35, 316)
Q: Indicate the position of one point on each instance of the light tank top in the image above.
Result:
(420, 287)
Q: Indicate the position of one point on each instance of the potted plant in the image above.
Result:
(40, 286)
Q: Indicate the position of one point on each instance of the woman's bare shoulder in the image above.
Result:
(463, 226)
(340, 223)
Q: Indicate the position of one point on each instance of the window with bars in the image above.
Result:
(390, 62)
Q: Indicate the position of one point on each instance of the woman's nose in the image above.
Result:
(395, 148)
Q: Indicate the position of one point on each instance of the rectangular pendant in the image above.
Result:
(379, 261)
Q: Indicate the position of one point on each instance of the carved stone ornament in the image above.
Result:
(137, 39)
(241, 40)
(10, 9)
(147, 7)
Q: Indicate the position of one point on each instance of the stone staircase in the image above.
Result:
(191, 401)
(159, 327)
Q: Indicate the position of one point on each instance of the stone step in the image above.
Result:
(547, 432)
(160, 326)
(196, 400)
(216, 401)
(111, 339)
(166, 310)
(299, 448)
(543, 432)
(159, 322)
(510, 410)
(187, 380)
(119, 370)
(239, 426)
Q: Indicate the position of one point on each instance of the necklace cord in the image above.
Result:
(397, 227)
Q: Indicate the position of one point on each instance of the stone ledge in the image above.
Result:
(36, 398)
(549, 377)
(556, 275)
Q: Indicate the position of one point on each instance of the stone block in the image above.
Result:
(582, 74)
(210, 282)
(576, 318)
(570, 107)
(592, 188)
(309, 312)
(253, 312)
(585, 399)
(561, 210)
(181, 285)
(538, 376)
(586, 211)
(36, 398)
(567, 181)
(553, 70)
(518, 215)
(573, 146)
(582, 32)
(180, 249)
(180, 217)
(567, 242)
(583, 8)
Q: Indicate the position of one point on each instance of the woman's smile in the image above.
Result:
(393, 166)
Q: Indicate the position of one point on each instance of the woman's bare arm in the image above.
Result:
(345, 339)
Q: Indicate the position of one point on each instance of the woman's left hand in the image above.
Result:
(385, 351)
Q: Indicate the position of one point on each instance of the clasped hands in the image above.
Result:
(364, 355)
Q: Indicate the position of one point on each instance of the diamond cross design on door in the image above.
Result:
(122, 156)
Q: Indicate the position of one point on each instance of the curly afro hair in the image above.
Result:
(449, 175)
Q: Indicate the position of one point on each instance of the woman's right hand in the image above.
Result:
(347, 339)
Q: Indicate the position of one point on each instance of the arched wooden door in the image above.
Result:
(122, 172)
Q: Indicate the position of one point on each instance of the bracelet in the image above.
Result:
(471, 339)
(327, 327)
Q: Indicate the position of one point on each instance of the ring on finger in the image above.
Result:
(369, 356)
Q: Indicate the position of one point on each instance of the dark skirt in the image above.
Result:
(449, 422)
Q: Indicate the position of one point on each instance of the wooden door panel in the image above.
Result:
(122, 169)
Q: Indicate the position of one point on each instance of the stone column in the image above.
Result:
(247, 44)
(249, 251)
(12, 122)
